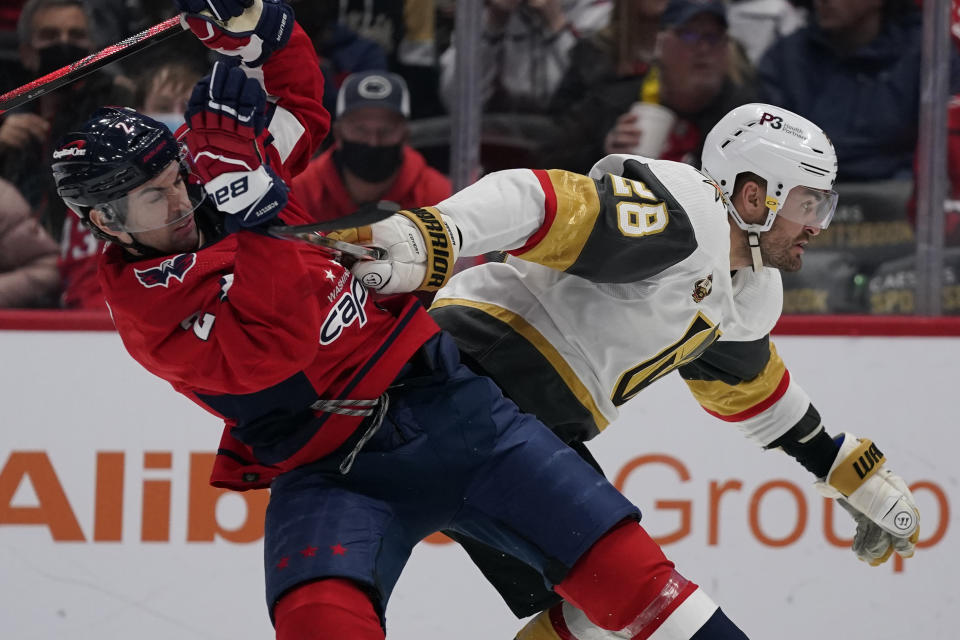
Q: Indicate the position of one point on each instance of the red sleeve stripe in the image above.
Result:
(549, 212)
(559, 624)
(760, 407)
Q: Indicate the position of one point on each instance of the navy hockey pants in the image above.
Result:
(452, 453)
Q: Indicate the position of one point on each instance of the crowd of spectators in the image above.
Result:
(597, 76)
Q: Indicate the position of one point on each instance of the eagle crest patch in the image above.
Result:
(174, 268)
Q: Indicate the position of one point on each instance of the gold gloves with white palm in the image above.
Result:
(878, 499)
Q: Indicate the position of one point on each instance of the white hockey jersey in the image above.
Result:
(612, 281)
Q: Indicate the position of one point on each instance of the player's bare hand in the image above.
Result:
(18, 129)
(624, 136)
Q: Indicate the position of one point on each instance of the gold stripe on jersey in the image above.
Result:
(724, 399)
(697, 337)
(578, 207)
(541, 344)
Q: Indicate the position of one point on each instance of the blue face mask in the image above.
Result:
(171, 120)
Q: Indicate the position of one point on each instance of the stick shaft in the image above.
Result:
(354, 250)
(85, 66)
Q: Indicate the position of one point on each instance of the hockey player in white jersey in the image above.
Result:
(615, 279)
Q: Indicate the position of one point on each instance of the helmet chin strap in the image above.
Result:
(753, 232)
(753, 239)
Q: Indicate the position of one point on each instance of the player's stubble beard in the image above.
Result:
(776, 249)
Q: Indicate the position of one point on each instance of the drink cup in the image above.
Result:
(656, 122)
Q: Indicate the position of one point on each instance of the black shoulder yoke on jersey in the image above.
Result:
(613, 254)
(729, 362)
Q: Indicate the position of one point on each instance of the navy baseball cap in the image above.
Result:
(680, 11)
(374, 89)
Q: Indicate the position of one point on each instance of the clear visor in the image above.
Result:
(162, 202)
(808, 206)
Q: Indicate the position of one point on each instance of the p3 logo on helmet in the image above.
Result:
(776, 122)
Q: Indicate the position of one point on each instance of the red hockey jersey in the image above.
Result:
(256, 329)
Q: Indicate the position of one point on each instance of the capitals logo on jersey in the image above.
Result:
(174, 268)
(347, 308)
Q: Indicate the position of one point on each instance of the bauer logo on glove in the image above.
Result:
(226, 139)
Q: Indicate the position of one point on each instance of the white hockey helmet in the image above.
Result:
(791, 153)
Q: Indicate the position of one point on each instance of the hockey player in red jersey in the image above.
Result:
(356, 413)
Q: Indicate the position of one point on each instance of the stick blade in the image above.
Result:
(337, 248)
(367, 214)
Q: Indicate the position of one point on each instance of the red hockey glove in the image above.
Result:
(222, 10)
(252, 35)
(226, 118)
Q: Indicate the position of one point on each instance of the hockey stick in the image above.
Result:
(337, 247)
(366, 215)
(113, 53)
(85, 66)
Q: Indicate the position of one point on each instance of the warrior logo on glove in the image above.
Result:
(420, 248)
(903, 520)
(865, 464)
(879, 500)
(441, 253)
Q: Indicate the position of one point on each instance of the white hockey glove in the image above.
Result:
(422, 246)
(878, 499)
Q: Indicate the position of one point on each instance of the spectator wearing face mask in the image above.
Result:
(52, 34)
(370, 159)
